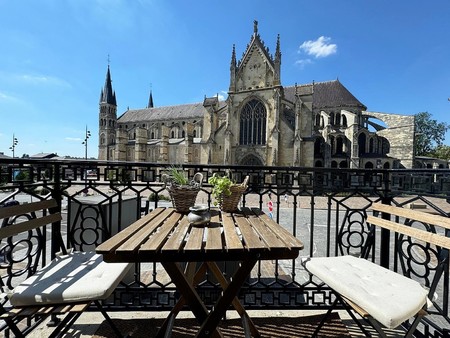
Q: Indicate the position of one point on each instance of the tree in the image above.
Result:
(430, 134)
(442, 152)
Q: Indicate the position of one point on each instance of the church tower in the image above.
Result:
(107, 120)
(254, 103)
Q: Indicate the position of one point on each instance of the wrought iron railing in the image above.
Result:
(326, 208)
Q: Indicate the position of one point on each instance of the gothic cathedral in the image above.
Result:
(261, 122)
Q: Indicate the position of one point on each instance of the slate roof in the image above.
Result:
(183, 111)
(328, 94)
(44, 155)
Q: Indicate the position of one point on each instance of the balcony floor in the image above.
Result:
(87, 325)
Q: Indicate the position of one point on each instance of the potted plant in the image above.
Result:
(226, 192)
(183, 192)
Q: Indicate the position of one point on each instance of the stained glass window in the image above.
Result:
(253, 123)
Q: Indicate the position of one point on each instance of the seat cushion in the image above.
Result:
(387, 296)
(76, 277)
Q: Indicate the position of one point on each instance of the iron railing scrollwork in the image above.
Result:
(324, 207)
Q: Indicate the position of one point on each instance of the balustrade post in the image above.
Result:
(57, 195)
(385, 241)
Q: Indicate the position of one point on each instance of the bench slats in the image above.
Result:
(29, 225)
(80, 307)
(419, 234)
(11, 313)
(420, 216)
(45, 310)
(26, 208)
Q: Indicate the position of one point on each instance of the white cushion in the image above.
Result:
(76, 277)
(387, 296)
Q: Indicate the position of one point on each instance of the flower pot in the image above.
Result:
(183, 196)
(229, 203)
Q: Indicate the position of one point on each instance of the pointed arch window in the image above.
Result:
(253, 123)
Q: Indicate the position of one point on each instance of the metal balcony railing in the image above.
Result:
(326, 208)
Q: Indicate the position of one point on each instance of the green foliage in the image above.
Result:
(442, 152)
(178, 176)
(157, 197)
(221, 187)
(21, 175)
(430, 134)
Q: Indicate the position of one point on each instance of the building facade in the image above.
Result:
(261, 122)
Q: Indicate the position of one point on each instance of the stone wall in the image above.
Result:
(399, 132)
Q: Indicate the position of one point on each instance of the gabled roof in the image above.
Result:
(44, 155)
(183, 111)
(327, 95)
(255, 40)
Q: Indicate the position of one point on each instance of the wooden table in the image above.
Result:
(166, 236)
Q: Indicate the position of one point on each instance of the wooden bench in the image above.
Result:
(31, 289)
(383, 297)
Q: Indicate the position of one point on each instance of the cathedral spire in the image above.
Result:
(277, 63)
(233, 57)
(150, 100)
(255, 27)
(232, 87)
(278, 50)
(107, 94)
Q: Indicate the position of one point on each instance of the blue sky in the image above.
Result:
(394, 56)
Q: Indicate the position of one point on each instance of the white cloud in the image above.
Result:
(319, 48)
(303, 63)
(6, 97)
(223, 95)
(42, 80)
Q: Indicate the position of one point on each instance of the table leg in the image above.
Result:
(236, 303)
(195, 279)
(229, 293)
(191, 296)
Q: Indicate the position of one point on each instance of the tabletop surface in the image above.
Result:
(165, 235)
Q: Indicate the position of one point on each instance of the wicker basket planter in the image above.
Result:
(183, 196)
(229, 202)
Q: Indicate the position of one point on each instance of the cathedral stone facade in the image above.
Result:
(261, 122)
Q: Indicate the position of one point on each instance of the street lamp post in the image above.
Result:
(85, 142)
(14, 144)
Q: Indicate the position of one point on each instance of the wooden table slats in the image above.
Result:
(138, 238)
(290, 241)
(115, 241)
(214, 234)
(249, 235)
(265, 232)
(231, 237)
(164, 234)
(158, 239)
(175, 242)
(195, 240)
